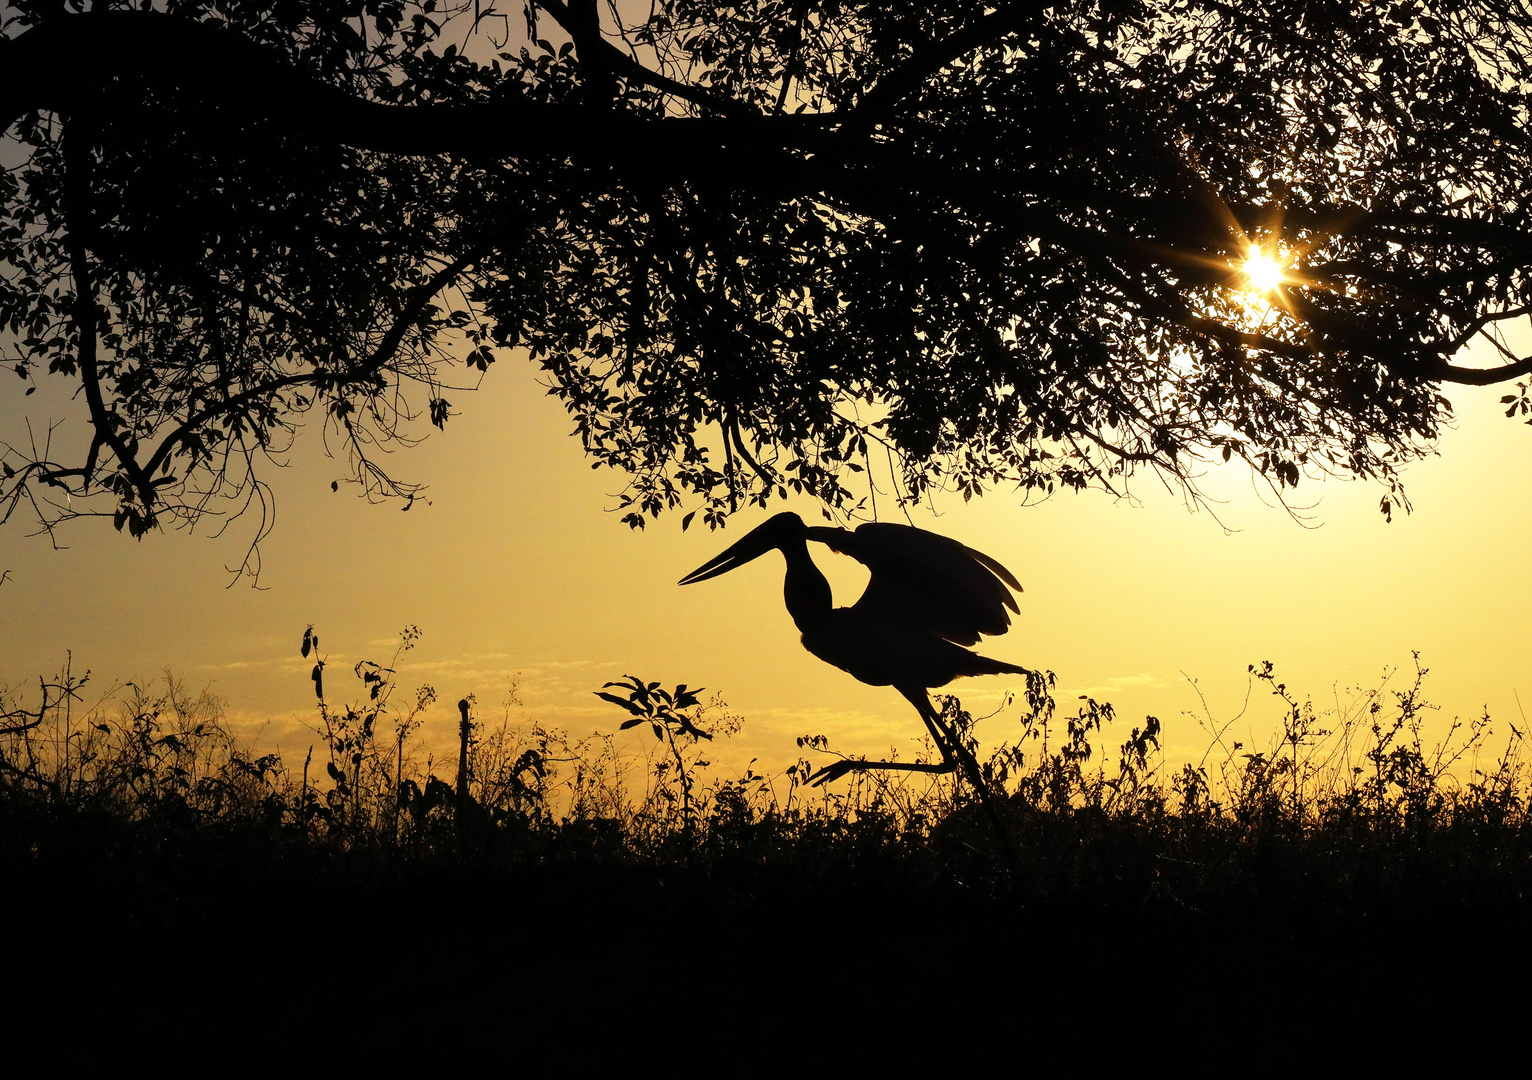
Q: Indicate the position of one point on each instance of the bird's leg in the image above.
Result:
(951, 745)
(953, 752)
(841, 768)
(947, 740)
(838, 769)
(952, 749)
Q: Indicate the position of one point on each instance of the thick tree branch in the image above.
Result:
(1451, 373)
(68, 64)
(85, 319)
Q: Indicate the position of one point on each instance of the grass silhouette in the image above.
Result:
(142, 825)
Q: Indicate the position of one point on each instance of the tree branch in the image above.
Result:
(415, 302)
(67, 64)
(593, 47)
(228, 405)
(85, 318)
(1451, 373)
(926, 62)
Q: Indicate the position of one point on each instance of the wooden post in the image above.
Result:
(464, 727)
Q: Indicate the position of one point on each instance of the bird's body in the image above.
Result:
(882, 652)
(928, 597)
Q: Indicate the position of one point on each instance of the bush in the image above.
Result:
(1344, 811)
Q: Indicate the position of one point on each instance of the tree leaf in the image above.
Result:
(632, 707)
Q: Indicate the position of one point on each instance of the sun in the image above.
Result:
(1262, 273)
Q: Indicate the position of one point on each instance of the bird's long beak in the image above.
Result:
(753, 545)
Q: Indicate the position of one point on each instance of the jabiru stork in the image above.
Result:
(928, 597)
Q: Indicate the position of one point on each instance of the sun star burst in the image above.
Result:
(1262, 273)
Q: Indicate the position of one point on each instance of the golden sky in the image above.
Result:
(516, 569)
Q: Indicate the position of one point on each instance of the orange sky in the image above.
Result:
(516, 568)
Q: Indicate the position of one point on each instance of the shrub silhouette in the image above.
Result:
(1343, 811)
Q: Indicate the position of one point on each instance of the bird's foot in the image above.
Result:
(834, 771)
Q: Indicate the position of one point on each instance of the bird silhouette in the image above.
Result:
(927, 598)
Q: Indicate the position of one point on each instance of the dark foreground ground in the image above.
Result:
(161, 883)
(782, 957)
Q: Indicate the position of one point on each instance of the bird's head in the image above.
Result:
(773, 533)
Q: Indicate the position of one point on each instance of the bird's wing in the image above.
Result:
(931, 580)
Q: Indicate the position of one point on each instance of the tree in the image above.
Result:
(753, 246)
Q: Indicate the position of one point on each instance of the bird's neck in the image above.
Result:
(807, 592)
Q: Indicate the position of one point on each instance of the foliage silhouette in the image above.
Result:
(672, 715)
(756, 249)
(1345, 813)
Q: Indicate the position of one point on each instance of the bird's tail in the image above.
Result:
(983, 665)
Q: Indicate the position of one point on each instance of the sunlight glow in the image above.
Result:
(1261, 271)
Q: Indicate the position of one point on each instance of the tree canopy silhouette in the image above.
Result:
(754, 245)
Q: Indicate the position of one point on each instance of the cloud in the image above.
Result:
(1143, 680)
(265, 664)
